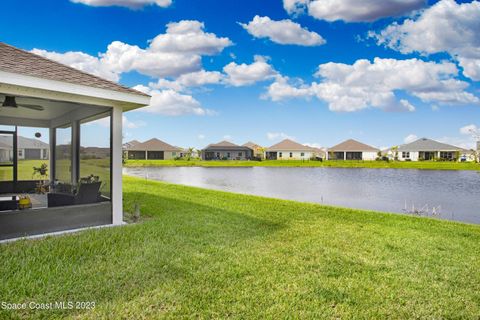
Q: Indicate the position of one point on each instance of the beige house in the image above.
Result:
(289, 150)
(352, 150)
(258, 151)
(153, 149)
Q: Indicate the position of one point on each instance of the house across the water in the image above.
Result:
(258, 150)
(352, 150)
(225, 150)
(428, 149)
(27, 148)
(289, 150)
(153, 149)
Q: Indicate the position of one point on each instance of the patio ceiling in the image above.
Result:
(55, 112)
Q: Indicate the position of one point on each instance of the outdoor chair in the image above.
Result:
(87, 193)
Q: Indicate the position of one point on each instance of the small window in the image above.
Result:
(174, 154)
(279, 154)
(20, 152)
(239, 154)
(302, 154)
(291, 154)
(406, 155)
(228, 154)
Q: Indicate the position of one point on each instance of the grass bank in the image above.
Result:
(428, 165)
(210, 254)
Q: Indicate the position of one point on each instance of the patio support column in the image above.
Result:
(117, 198)
(75, 151)
(51, 154)
(345, 155)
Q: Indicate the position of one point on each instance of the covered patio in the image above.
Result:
(79, 182)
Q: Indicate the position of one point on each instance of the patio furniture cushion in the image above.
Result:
(87, 193)
(8, 203)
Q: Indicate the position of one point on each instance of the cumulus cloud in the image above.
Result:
(352, 10)
(374, 84)
(282, 32)
(188, 80)
(81, 61)
(247, 74)
(410, 138)
(132, 4)
(171, 103)
(446, 26)
(278, 136)
(178, 51)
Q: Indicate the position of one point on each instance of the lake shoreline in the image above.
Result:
(421, 165)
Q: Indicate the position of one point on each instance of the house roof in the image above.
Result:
(23, 143)
(225, 145)
(289, 145)
(251, 145)
(353, 145)
(155, 144)
(22, 62)
(131, 144)
(424, 144)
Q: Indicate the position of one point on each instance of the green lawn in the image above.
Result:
(208, 254)
(432, 165)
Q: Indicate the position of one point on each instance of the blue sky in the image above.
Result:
(413, 83)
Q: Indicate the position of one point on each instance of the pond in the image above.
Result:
(452, 195)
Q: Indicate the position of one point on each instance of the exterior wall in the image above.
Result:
(169, 155)
(228, 154)
(369, 156)
(415, 156)
(296, 155)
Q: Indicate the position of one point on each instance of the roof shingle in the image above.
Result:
(352, 146)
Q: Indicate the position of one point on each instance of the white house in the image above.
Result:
(41, 93)
(27, 149)
(226, 150)
(352, 150)
(427, 149)
(289, 150)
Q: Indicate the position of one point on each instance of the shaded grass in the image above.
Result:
(210, 254)
(428, 165)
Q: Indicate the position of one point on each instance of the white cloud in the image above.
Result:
(281, 90)
(126, 123)
(470, 129)
(446, 26)
(410, 138)
(81, 61)
(133, 4)
(375, 84)
(187, 80)
(201, 137)
(227, 137)
(247, 74)
(171, 103)
(189, 37)
(352, 10)
(278, 136)
(282, 32)
(177, 51)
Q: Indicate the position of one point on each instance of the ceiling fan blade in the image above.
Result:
(32, 106)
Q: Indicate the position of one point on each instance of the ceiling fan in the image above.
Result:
(10, 102)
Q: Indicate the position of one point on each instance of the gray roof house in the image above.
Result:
(225, 150)
(42, 93)
(352, 150)
(153, 149)
(28, 148)
(428, 149)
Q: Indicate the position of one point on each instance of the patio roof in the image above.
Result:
(25, 74)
